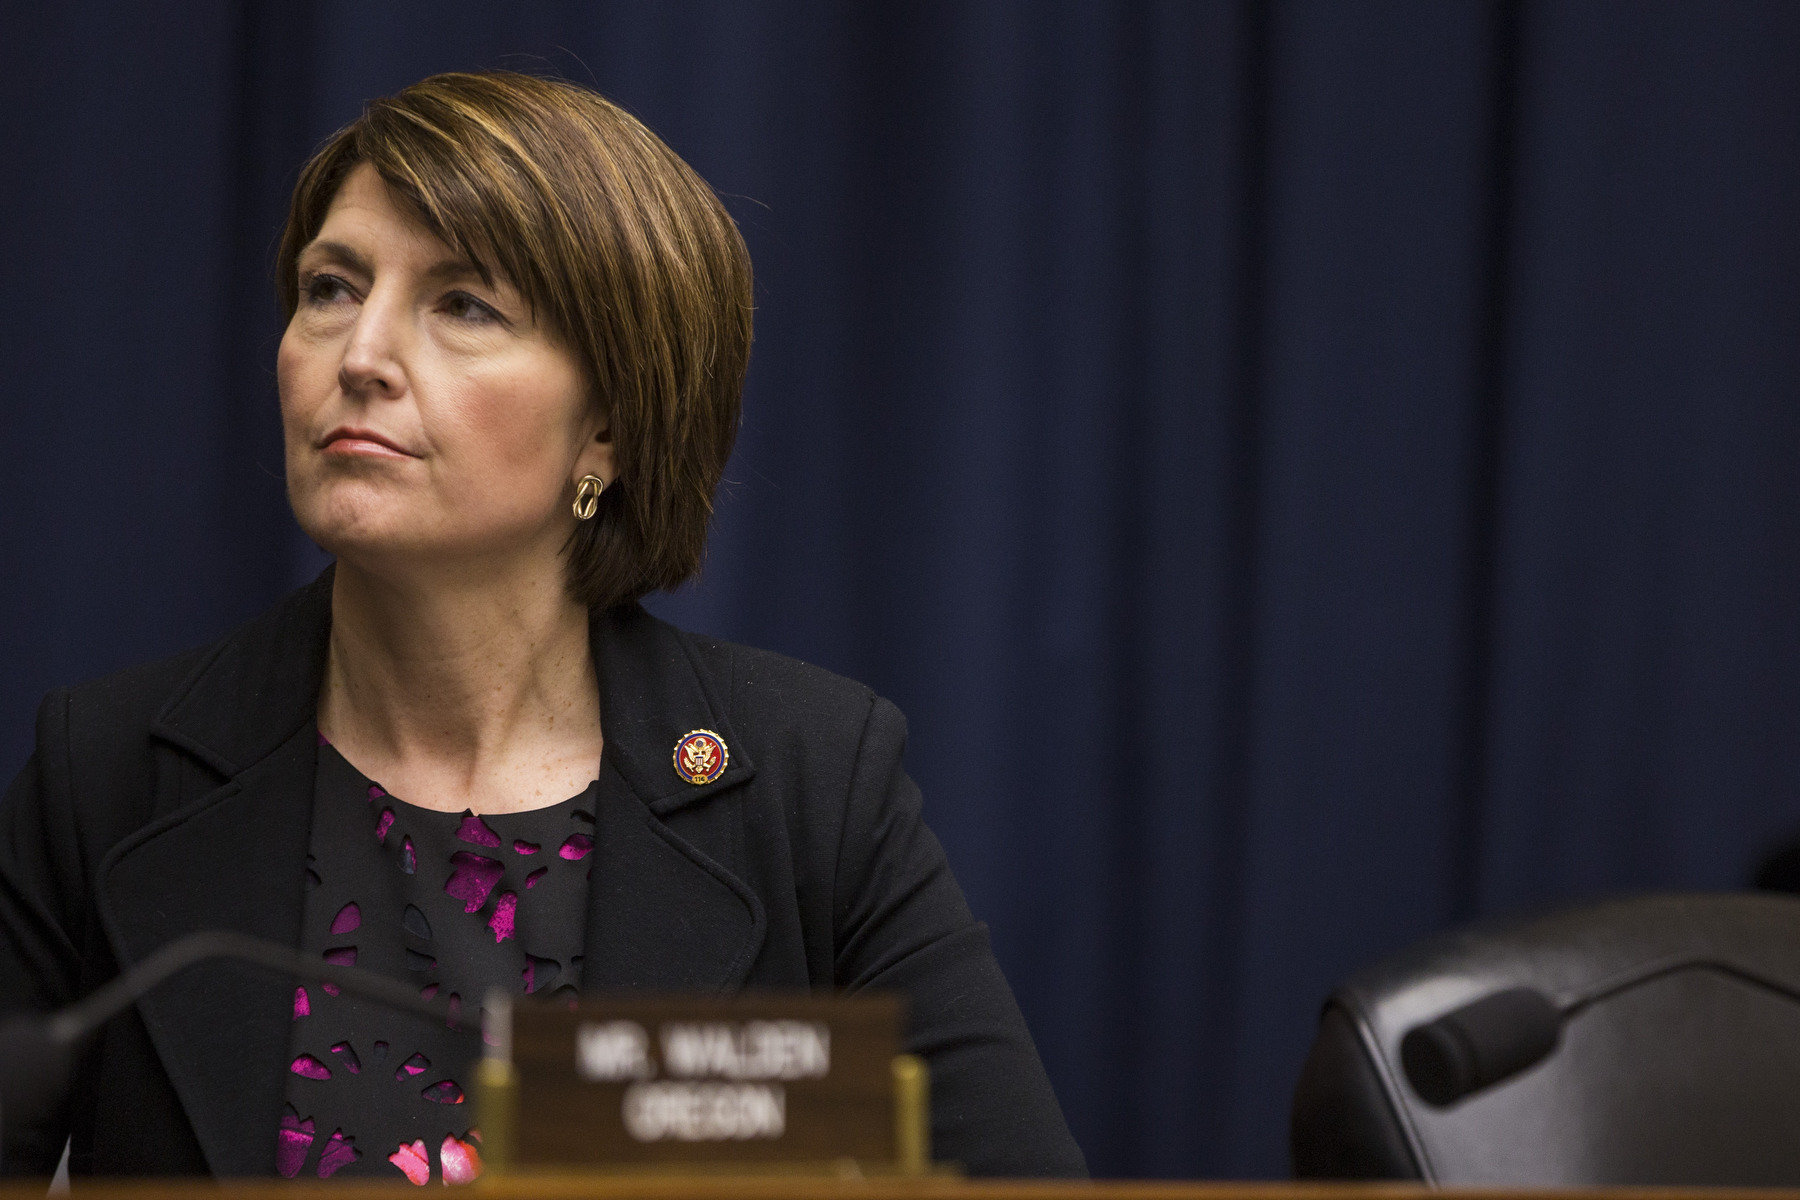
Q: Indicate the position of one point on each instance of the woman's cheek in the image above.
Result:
(518, 423)
(297, 367)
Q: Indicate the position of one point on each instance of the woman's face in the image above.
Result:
(428, 417)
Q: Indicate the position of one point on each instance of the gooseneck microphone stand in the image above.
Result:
(38, 1053)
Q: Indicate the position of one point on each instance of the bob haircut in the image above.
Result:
(622, 251)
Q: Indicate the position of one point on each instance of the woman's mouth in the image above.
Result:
(352, 442)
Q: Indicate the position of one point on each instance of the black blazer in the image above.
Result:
(177, 797)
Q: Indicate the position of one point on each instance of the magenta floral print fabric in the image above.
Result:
(453, 903)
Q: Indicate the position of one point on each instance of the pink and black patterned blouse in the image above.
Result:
(456, 904)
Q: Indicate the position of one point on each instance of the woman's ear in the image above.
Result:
(596, 457)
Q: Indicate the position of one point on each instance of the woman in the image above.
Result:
(518, 328)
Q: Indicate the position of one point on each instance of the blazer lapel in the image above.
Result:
(662, 915)
(665, 912)
(233, 861)
(231, 858)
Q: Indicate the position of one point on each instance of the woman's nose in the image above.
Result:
(373, 362)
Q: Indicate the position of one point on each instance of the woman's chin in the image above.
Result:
(397, 549)
(365, 538)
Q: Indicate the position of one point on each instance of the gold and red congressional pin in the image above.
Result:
(700, 756)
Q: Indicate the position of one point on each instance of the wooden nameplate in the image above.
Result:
(765, 1082)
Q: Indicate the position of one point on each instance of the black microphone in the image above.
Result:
(38, 1054)
(1480, 1044)
(1489, 1040)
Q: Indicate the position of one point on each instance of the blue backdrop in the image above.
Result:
(1312, 472)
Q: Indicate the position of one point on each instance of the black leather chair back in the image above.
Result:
(1677, 1061)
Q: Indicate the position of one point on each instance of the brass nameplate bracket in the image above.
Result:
(761, 1082)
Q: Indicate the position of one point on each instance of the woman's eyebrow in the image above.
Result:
(449, 269)
(340, 253)
(442, 270)
(446, 270)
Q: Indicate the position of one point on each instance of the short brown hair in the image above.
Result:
(617, 245)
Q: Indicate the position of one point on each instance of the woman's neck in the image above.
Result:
(463, 693)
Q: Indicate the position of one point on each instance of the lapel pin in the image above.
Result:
(700, 756)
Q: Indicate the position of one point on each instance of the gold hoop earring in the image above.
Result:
(587, 497)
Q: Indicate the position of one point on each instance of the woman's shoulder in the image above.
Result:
(236, 673)
(778, 705)
(91, 768)
(773, 686)
(131, 697)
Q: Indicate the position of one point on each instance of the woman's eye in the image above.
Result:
(323, 289)
(463, 307)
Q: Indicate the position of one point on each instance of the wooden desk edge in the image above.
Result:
(768, 1187)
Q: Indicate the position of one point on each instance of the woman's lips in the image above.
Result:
(362, 443)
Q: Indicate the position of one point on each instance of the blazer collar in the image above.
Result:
(262, 682)
(652, 693)
(259, 684)
(663, 912)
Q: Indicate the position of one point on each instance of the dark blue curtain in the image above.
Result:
(1313, 473)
